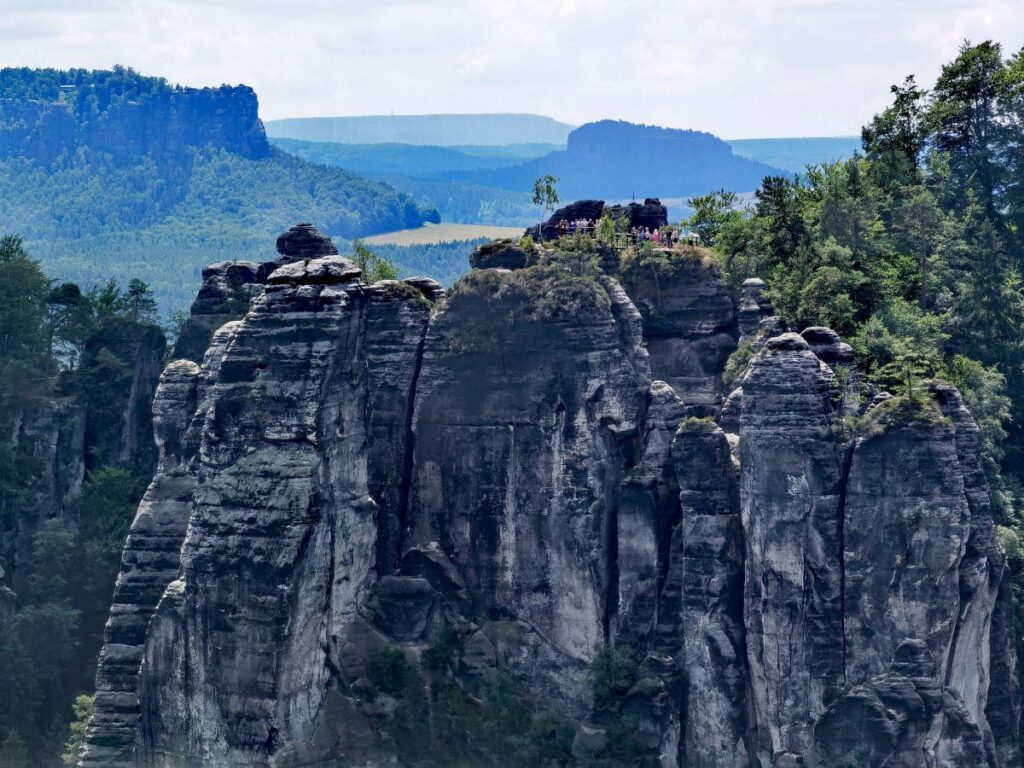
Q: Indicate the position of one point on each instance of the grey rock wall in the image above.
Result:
(515, 474)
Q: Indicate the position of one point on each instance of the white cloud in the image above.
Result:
(734, 67)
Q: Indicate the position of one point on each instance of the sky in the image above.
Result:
(736, 68)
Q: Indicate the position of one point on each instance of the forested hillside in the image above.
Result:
(77, 370)
(914, 251)
(106, 171)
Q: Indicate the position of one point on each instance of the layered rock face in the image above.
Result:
(384, 515)
(164, 124)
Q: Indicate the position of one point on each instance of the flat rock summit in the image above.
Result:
(586, 508)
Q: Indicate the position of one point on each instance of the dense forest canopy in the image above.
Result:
(86, 91)
(62, 568)
(913, 250)
(199, 184)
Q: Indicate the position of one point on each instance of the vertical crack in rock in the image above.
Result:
(504, 367)
(843, 490)
(409, 452)
(707, 615)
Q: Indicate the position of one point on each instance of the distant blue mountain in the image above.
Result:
(412, 159)
(616, 160)
(431, 130)
(796, 154)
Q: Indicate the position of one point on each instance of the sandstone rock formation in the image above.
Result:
(651, 214)
(304, 241)
(514, 525)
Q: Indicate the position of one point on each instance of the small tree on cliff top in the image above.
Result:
(545, 196)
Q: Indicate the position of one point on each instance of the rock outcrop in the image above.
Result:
(385, 518)
(165, 124)
(651, 214)
(304, 241)
(690, 327)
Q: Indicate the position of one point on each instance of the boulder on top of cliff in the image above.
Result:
(652, 214)
(827, 345)
(428, 286)
(581, 209)
(304, 241)
(326, 271)
(754, 306)
(787, 341)
(501, 254)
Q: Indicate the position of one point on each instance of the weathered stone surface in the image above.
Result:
(500, 254)
(906, 528)
(580, 209)
(523, 409)
(689, 327)
(895, 719)
(754, 306)
(282, 525)
(705, 614)
(149, 563)
(228, 288)
(791, 493)
(328, 270)
(650, 214)
(648, 510)
(304, 241)
(428, 286)
(494, 482)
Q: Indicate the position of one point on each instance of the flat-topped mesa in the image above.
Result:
(304, 241)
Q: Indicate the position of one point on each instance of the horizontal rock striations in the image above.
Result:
(519, 523)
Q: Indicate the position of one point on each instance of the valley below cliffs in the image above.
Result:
(586, 508)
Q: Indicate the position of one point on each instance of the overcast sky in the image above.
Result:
(737, 68)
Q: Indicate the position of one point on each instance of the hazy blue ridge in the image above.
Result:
(410, 159)
(435, 130)
(795, 154)
(619, 160)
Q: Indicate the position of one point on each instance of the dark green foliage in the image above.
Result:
(374, 267)
(612, 674)
(389, 671)
(485, 721)
(62, 568)
(914, 251)
(445, 262)
(103, 191)
(711, 213)
(93, 91)
(83, 709)
(439, 655)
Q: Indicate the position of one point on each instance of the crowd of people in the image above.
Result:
(663, 236)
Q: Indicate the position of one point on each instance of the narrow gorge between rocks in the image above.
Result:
(577, 510)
